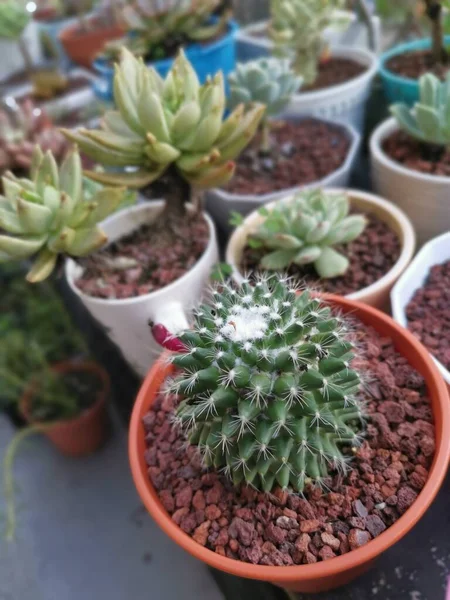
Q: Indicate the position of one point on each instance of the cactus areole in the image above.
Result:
(268, 392)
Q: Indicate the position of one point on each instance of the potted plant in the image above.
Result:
(156, 33)
(289, 152)
(402, 66)
(420, 300)
(409, 158)
(22, 127)
(318, 239)
(85, 37)
(161, 253)
(276, 420)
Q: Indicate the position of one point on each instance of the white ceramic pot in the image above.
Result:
(58, 107)
(377, 294)
(220, 203)
(424, 198)
(126, 321)
(435, 252)
(11, 58)
(252, 41)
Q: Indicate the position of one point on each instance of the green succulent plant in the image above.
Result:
(48, 215)
(429, 120)
(269, 81)
(175, 124)
(14, 17)
(297, 28)
(266, 385)
(150, 25)
(303, 229)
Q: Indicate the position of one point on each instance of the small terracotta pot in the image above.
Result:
(377, 294)
(83, 46)
(84, 434)
(338, 571)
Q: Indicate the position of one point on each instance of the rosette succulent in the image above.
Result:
(303, 229)
(297, 28)
(174, 124)
(429, 120)
(268, 393)
(14, 17)
(48, 215)
(269, 81)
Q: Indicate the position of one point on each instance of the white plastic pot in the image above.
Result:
(125, 321)
(377, 294)
(424, 198)
(11, 58)
(220, 203)
(435, 252)
(253, 42)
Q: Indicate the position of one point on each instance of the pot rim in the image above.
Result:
(378, 136)
(64, 368)
(330, 568)
(289, 115)
(403, 222)
(71, 31)
(71, 265)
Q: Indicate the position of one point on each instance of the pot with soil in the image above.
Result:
(360, 257)
(263, 487)
(420, 300)
(410, 160)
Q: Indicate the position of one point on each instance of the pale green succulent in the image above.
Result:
(297, 28)
(174, 123)
(429, 120)
(303, 229)
(48, 215)
(14, 17)
(268, 393)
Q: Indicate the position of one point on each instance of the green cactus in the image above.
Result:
(151, 25)
(268, 392)
(429, 120)
(269, 81)
(303, 229)
(297, 28)
(49, 215)
(175, 125)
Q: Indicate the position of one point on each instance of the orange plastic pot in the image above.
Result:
(84, 434)
(338, 571)
(83, 46)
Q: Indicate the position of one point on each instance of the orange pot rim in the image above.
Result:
(69, 367)
(73, 31)
(285, 575)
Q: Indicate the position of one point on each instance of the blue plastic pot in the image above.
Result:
(397, 88)
(206, 60)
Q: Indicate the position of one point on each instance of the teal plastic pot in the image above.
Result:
(397, 88)
(206, 59)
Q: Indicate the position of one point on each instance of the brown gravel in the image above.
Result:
(417, 156)
(335, 71)
(389, 471)
(414, 64)
(371, 256)
(303, 153)
(428, 313)
(162, 255)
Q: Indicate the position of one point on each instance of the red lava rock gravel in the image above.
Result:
(162, 256)
(414, 64)
(371, 256)
(303, 152)
(428, 313)
(335, 71)
(280, 529)
(417, 156)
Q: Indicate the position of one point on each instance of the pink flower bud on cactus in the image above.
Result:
(166, 339)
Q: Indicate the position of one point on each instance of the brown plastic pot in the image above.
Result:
(83, 46)
(84, 434)
(338, 571)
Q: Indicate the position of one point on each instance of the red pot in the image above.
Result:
(338, 571)
(84, 434)
(83, 46)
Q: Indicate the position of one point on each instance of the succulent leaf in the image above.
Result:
(276, 403)
(301, 230)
